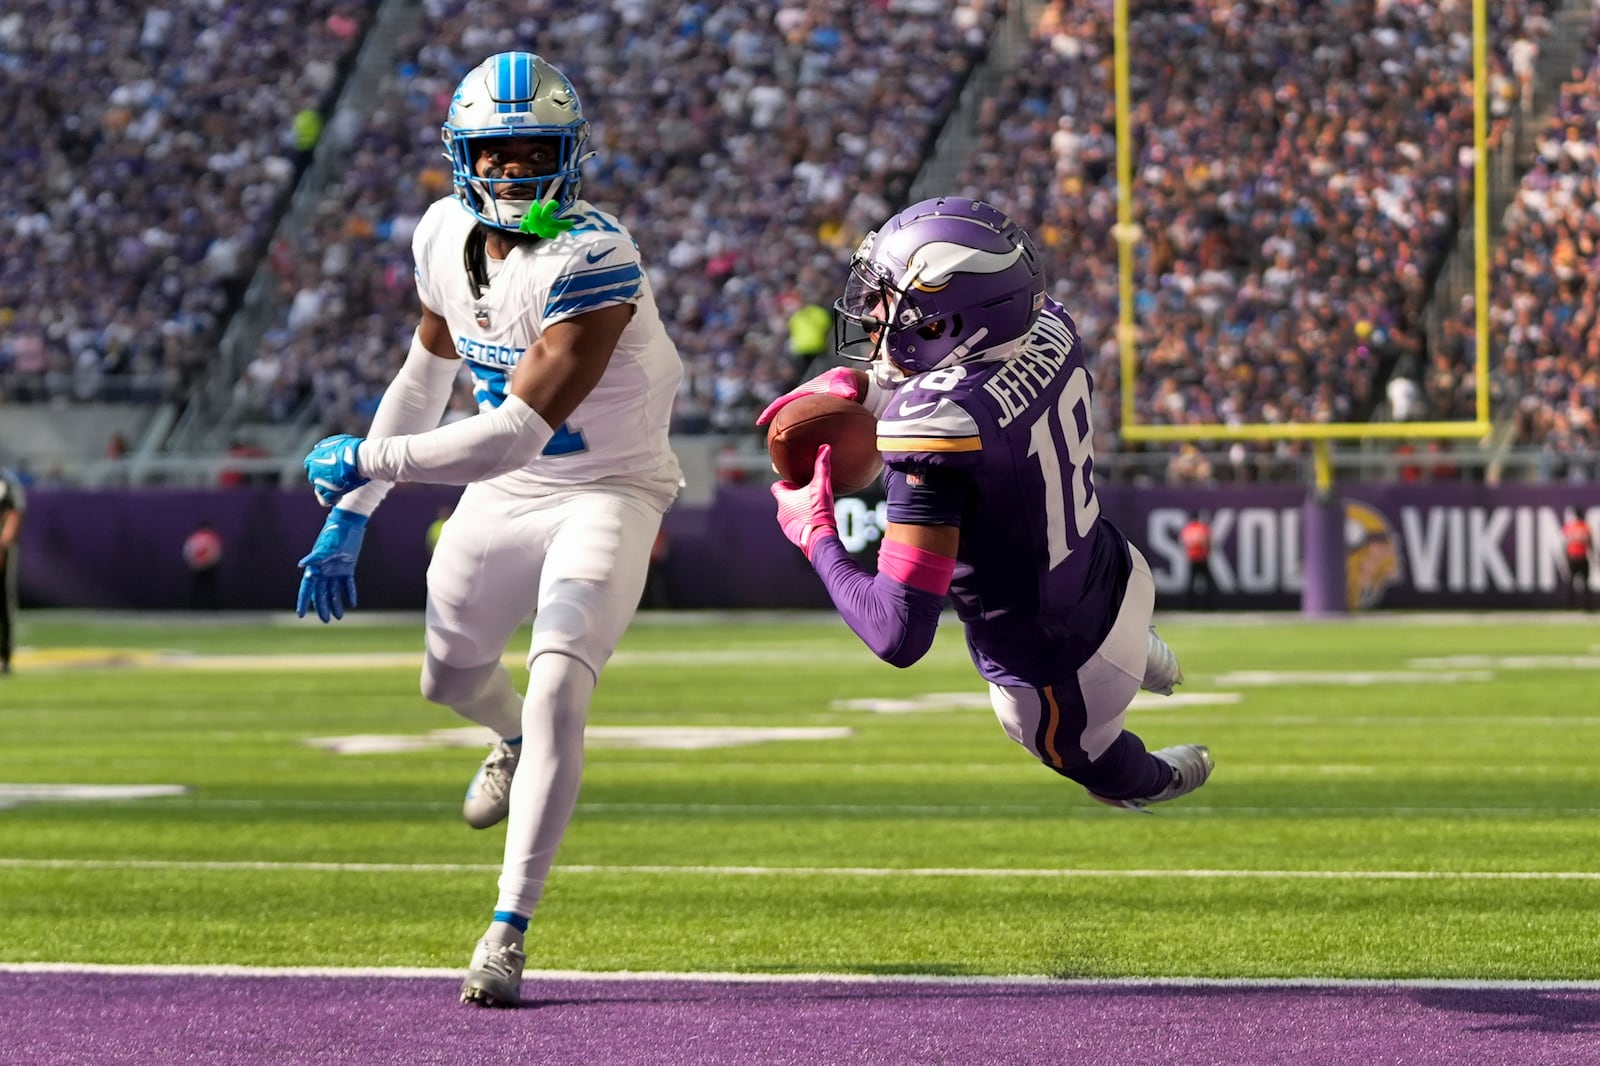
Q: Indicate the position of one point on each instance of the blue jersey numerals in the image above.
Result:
(567, 441)
(490, 387)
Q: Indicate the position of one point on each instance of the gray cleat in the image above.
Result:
(495, 977)
(1161, 669)
(489, 794)
(1191, 765)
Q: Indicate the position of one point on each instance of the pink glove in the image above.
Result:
(841, 381)
(806, 512)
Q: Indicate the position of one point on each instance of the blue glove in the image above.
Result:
(331, 468)
(329, 581)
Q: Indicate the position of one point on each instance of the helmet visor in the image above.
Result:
(869, 296)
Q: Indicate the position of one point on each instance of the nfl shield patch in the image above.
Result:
(481, 316)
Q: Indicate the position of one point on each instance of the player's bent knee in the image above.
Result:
(453, 685)
(579, 621)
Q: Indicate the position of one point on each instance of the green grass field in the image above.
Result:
(1435, 824)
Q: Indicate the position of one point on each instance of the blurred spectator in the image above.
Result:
(1196, 538)
(202, 552)
(810, 332)
(305, 131)
(1579, 540)
(1441, 469)
(234, 477)
(1190, 467)
(1407, 471)
(1404, 395)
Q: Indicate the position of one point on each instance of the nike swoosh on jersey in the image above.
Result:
(595, 257)
(947, 428)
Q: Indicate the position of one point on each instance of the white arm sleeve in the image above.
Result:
(474, 449)
(413, 403)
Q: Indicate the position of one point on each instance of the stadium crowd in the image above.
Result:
(152, 149)
(1299, 177)
(746, 150)
(1545, 292)
(1296, 179)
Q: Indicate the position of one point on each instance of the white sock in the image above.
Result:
(504, 933)
(545, 790)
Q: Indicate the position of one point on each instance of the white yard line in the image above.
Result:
(391, 972)
(906, 810)
(816, 871)
(1248, 678)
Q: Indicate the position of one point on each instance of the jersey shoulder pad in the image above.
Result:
(914, 426)
(589, 249)
(445, 222)
(593, 266)
(443, 217)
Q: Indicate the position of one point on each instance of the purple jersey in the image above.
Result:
(1004, 449)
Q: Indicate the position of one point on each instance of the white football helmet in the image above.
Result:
(514, 94)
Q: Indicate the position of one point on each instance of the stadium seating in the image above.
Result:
(1299, 177)
(1545, 294)
(1297, 181)
(745, 149)
(160, 147)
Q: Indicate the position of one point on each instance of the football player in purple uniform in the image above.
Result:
(986, 424)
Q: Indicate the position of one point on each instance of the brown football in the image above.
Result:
(802, 426)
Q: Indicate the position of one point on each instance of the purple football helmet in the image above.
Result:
(942, 282)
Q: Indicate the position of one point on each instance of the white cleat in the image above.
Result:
(1191, 766)
(494, 979)
(489, 793)
(1161, 669)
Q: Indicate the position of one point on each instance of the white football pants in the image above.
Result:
(577, 562)
(1053, 723)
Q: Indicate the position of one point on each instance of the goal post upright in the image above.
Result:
(1125, 232)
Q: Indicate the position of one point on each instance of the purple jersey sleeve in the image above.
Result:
(1004, 449)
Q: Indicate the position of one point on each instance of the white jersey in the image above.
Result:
(618, 434)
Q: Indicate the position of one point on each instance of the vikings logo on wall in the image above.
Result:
(1372, 561)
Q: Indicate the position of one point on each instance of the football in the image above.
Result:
(802, 426)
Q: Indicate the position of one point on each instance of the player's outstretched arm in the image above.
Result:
(895, 612)
(414, 402)
(548, 383)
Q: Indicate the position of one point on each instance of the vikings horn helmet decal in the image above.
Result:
(944, 281)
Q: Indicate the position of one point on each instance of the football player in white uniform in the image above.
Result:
(542, 297)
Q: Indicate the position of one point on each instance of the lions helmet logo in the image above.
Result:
(1372, 555)
(481, 317)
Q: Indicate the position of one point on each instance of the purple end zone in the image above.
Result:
(96, 1018)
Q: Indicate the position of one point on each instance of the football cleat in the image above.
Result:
(1191, 765)
(1161, 669)
(494, 979)
(489, 793)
